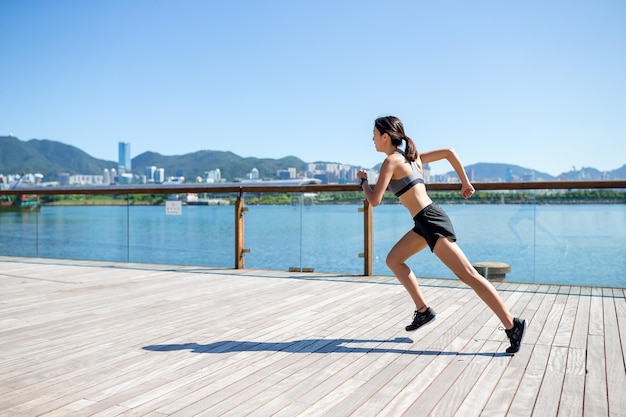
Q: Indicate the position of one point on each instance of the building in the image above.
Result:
(159, 175)
(213, 176)
(286, 174)
(332, 173)
(124, 157)
(254, 174)
(81, 179)
(150, 173)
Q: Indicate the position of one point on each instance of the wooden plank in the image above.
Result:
(510, 384)
(620, 310)
(615, 369)
(551, 384)
(595, 402)
(476, 398)
(566, 325)
(457, 373)
(530, 384)
(573, 392)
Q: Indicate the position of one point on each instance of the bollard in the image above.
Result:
(493, 271)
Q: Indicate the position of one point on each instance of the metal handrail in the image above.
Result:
(268, 188)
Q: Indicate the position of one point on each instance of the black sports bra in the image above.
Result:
(401, 186)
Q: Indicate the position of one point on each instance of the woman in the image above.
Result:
(402, 172)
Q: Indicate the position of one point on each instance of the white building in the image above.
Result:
(254, 174)
(150, 173)
(159, 175)
(81, 179)
(212, 176)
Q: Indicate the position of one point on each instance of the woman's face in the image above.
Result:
(378, 140)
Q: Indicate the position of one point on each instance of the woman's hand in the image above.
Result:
(467, 190)
(361, 174)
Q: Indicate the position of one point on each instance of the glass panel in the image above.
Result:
(273, 231)
(305, 234)
(569, 244)
(74, 230)
(176, 232)
(503, 233)
(332, 237)
(18, 232)
(581, 244)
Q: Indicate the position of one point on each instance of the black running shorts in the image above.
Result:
(432, 223)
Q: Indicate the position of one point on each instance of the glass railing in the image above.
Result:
(315, 228)
(305, 236)
(567, 244)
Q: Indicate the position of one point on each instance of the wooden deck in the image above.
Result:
(105, 339)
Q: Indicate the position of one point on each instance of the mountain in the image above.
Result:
(47, 157)
(492, 172)
(620, 172)
(51, 158)
(594, 174)
(231, 165)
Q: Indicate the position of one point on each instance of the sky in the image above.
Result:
(539, 84)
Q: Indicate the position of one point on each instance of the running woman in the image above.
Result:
(402, 172)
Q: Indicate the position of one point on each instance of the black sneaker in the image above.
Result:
(420, 319)
(515, 335)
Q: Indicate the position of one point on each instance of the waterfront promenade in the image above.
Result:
(82, 338)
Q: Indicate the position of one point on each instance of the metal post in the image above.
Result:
(367, 254)
(240, 209)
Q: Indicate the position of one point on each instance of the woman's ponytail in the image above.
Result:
(410, 151)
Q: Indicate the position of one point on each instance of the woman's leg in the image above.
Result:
(409, 245)
(453, 257)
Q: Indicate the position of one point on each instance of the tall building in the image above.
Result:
(150, 173)
(124, 156)
(212, 176)
(159, 176)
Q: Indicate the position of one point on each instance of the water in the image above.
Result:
(560, 244)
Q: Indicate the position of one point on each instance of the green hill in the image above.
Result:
(52, 158)
(47, 157)
(230, 165)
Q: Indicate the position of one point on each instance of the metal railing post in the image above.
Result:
(240, 251)
(367, 254)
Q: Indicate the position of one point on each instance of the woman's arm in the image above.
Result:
(375, 195)
(450, 154)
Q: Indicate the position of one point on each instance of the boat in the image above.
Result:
(20, 203)
(17, 203)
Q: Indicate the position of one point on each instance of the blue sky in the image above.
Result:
(540, 84)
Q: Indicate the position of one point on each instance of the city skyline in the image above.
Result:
(123, 164)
